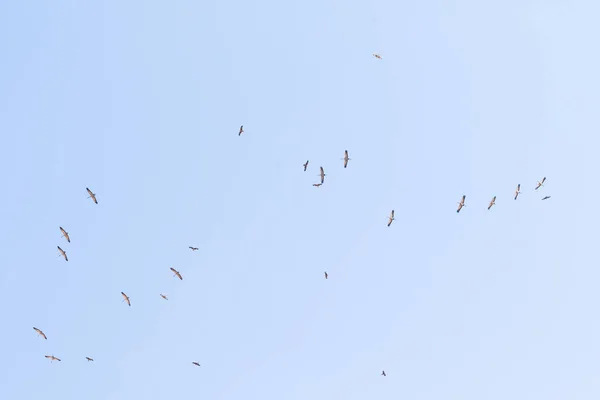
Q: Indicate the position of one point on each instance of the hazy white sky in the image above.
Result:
(142, 101)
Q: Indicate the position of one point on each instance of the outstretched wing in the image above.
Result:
(126, 298)
(40, 333)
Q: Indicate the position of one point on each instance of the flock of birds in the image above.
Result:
(321, 174)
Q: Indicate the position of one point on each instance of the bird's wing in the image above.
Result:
(89, 191)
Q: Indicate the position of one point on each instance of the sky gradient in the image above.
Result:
(141, 101)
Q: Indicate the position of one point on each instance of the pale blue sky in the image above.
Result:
(142, 100)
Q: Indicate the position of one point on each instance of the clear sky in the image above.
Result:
(141, 101)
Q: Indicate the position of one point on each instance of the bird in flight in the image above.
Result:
(195, 363)
(305, 165)
(62, 253)
(547, 197)
(540, 184)
(241, 130)
(383, 373)
(65, 234)
(377, 56)
(92, 195)
(193, 248)
(346, 158)
(492, 202)
(177, 274)
(52, 358)
(461, 204)
(89, 359)
(518, 191)
(126, 298)
(326, 275)
(39, 331)
(391, 218)
(317, 184)
(322, 174)
(163, 296)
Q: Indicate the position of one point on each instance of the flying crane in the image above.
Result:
(177, 274)
(62, 253)
(391, 218)
(322, 174)
(377, 56)
(52, 358)
(195, 363)
(39, 332)
(126, 298)
(163, 296)
(65, 234)
(241, 130)
(89, 359)
(326, 275)
(346, 158)
(461, 204)
(518, 191)
(193, 248)
(492, 202)
(540, 184)
(546, 198)
(91, 195)
(317, 184)
(305, 165)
